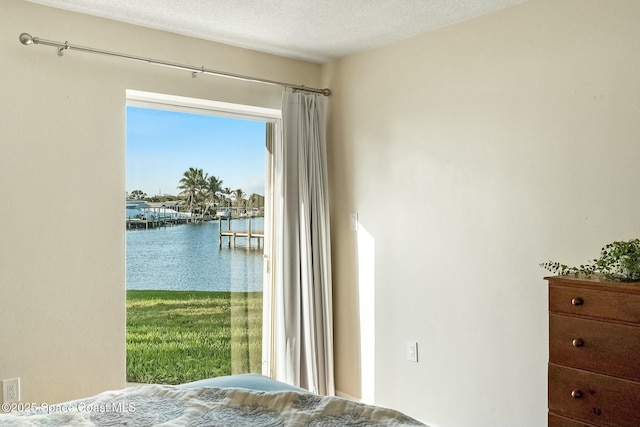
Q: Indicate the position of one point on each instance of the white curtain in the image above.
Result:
(302, 340)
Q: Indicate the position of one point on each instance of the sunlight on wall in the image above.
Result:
(366, 289)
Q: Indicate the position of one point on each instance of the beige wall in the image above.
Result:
(472, 154)
(62, 184)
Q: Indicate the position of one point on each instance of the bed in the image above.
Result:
(237, 400)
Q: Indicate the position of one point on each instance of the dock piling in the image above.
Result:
(234, 234)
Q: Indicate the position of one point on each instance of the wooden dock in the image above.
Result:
(233, 234)
(138, 223)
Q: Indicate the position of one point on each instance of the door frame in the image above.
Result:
(273, 119)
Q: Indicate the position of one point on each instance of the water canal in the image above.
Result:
(187, 257)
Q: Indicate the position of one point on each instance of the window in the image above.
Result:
(205, 212)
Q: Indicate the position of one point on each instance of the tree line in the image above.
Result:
(201, 192)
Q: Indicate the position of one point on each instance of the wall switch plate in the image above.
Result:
(412, 351)
(11, 390)
(353, 221)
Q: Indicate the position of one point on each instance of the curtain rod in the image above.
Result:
(26, 39)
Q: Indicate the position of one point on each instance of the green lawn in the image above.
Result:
(180, 336)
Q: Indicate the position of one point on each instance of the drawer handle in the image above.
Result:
(576, 394)
(577, 301)
(578, 342)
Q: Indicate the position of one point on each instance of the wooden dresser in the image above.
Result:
(594, 353)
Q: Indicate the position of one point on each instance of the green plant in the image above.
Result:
(618, 261)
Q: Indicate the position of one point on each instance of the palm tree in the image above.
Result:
(227, 193)
(213, 186)
(192, 184)
(238, 195)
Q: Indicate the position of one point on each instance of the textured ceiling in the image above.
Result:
(317, 31)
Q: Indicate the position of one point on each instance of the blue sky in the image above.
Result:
(162, 145)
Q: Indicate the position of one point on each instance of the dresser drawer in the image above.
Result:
(593, 398)
(605, 304)
(607, 348)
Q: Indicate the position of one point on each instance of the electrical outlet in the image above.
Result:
(412, 351)
(11, 390)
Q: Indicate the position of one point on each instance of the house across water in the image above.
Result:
(142, 214)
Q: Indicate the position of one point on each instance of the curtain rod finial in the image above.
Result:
(26, 39)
